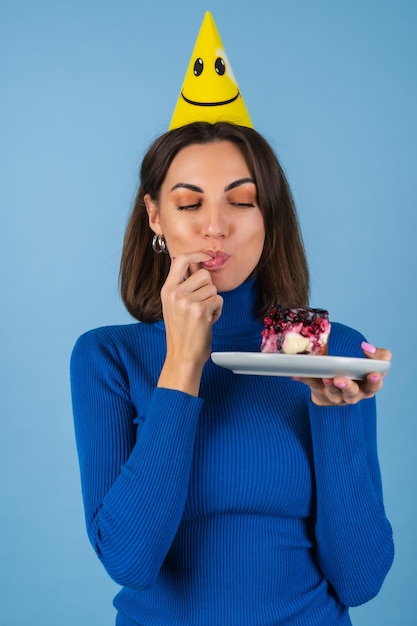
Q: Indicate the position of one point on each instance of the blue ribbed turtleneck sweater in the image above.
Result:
(246, 506)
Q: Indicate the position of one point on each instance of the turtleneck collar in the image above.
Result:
(239, 307)
(238, 328)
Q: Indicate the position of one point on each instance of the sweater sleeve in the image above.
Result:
(134, 484)
(354, 537)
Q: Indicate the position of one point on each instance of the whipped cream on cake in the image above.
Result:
(300, 330)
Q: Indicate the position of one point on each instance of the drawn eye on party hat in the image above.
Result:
(209, 92)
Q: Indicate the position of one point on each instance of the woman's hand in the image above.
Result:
(190, 305)
(341, 390)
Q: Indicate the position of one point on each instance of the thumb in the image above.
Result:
(375, 353)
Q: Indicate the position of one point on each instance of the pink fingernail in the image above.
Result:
(374, 379)
(368, 347)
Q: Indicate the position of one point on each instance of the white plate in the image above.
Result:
(302, 365)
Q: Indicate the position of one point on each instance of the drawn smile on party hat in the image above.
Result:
(210, 92)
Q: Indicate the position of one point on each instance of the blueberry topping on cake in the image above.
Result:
(300, 330)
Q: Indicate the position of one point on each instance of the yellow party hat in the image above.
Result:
(210, 92)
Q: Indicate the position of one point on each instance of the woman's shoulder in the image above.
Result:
(109, 333)
(114, 339)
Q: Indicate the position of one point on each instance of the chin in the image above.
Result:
(226, 284)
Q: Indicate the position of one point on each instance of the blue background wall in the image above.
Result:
(85, 87)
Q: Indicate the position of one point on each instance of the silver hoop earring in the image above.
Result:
(159, 245)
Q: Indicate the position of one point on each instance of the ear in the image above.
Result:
(153, 214)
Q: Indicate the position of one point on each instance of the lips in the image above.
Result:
(217, 261)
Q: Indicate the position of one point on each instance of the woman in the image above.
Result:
(214, 498)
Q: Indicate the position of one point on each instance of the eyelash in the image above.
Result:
(193, 207)
(189, 207)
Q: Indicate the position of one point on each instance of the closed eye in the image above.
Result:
(189, 207)
(243, 205)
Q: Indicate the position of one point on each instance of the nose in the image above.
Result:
(214, 222)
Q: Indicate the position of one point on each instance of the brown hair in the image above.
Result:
(282, 269)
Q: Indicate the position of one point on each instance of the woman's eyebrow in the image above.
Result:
(187, 186)
(232, 185)
(237, 183)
